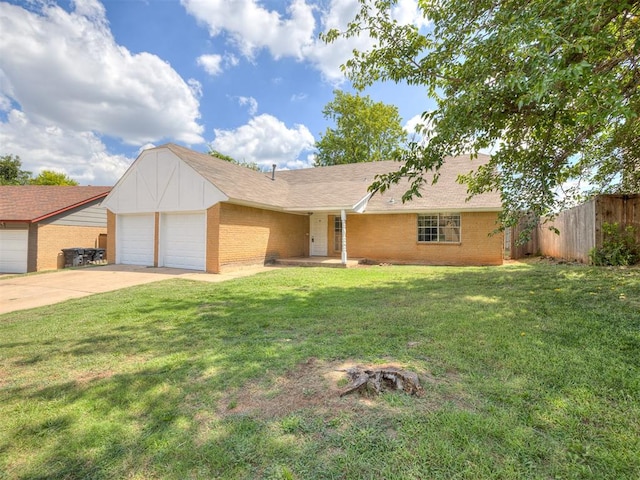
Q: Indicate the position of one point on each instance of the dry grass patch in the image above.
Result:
(316, 384)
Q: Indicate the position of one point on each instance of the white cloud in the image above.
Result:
(215, 64)
(251, 102)
(328, 58)
(195, 86)
(414, 122)
(417, 128)
(81, 155)
(251, 27)
(298, 97)
(266, 140)
(212, 64)
(65, 69)
(408, 12)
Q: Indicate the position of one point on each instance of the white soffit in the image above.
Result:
(158, 181)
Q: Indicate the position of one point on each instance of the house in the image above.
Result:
(38, 221)
(178, 208)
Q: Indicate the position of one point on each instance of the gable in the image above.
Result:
(159, 181)
(33, 203)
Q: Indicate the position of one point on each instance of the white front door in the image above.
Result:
(182, 240)
(318, 234)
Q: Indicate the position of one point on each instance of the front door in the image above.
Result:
(318, 234)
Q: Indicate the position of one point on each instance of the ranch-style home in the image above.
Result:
(175, 207)
(38, 221)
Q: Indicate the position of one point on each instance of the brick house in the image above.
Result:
(179, 208)
(38, 221)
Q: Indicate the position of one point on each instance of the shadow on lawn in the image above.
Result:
(152, 412)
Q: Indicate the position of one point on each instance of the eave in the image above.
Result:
(59, 211)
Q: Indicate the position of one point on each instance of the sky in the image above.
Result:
(85, 85)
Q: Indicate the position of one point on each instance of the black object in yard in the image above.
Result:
(73, 257)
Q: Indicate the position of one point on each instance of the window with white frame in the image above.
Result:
(439, 227)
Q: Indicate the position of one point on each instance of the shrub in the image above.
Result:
(619, 247)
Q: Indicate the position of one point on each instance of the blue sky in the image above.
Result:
(86, 85)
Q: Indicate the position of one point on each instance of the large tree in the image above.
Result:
(11, 172)
(551, 85)
(227, 158)
(365, 131)
(49, 177)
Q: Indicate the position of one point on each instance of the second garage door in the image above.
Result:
(182, 240)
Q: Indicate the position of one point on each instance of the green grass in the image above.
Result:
(530, 371)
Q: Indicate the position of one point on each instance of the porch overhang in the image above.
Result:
(359, 207)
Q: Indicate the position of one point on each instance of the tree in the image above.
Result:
(554, 85)
(366, 131)
(11, 172)
(227, 158)
(49, 177)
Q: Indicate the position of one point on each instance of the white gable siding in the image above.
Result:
(159, 181)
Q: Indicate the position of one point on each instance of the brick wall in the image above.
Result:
(111, 237)
(53, 238)
(393, 238)
(213, 239)
(254, 236)
(32, 248)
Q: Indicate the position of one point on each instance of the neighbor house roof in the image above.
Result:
(340, 186)
(33, 203)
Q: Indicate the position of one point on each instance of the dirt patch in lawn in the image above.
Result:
(316, 384)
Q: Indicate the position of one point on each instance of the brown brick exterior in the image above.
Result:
(393, 238)
(111, 237)
(250, 236)
(51, 239)
(238, 236)
(32, 248)
(213, 239)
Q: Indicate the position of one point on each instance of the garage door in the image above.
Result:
(182, 240)
(13, 251)
(134, 244)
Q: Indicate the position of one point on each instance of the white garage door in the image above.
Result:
(13, 251)
(134, 244)
(182, 240)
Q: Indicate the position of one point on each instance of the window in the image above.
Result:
(337, 234)
(439, 228)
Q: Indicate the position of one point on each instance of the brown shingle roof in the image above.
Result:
(30, 203)
(339, 186)
(236, 182)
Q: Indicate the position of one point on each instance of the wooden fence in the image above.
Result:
(580, 228)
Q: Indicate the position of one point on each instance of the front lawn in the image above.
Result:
(531, 371)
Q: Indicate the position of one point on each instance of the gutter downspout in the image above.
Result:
(343, 218)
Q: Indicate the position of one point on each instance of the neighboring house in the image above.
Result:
(38, 221)
(178, 208)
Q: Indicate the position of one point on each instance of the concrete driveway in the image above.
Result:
(19, 292)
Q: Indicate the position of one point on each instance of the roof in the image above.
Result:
(339, 186)
(33, 203)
